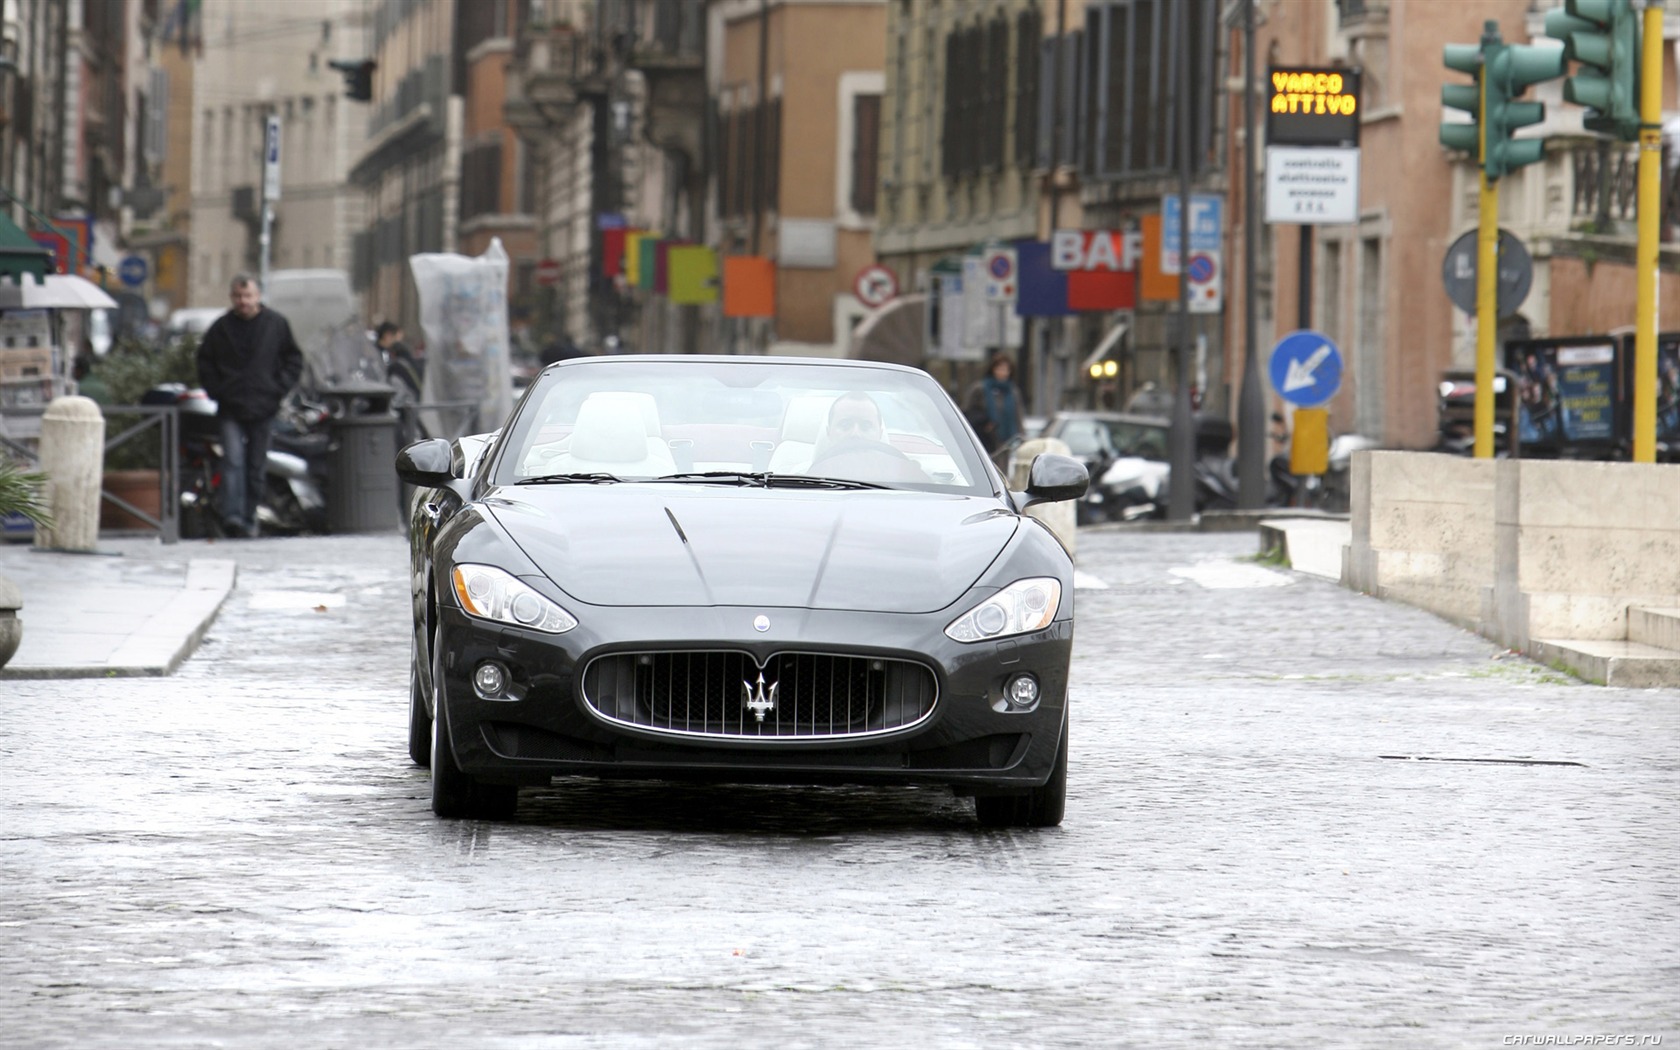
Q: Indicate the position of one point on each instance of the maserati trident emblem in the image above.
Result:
(757, 700)
(761, 623)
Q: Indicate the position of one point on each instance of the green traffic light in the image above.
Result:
(1464, 58)
(1510, 70)
(1603, 37)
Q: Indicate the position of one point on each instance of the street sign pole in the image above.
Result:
(1487, 276)
(1251, 406)
(1645, 253)
(1487, 313)
(1181, 482)
(270, 193)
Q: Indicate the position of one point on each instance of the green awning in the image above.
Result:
(20, 255)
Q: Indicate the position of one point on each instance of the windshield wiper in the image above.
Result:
(810, 481)
(570, 479)
(768, 479)
(736, 476)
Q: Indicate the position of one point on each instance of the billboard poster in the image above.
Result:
(1668, 389)
(1570, 392)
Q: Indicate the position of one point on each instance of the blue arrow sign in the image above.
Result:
(1306, 368)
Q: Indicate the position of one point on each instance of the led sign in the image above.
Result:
(1313, 107)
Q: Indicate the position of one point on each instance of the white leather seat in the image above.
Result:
(802, 424)
(612, 436)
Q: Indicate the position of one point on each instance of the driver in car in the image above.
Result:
(854, 445)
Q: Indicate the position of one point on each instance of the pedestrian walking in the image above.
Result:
(88, 382)
(401, 366)
(993, 406)
(247, 362)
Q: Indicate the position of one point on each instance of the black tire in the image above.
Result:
(200, 520)
(288, 512)
(455, 794)
(419, 720)
(1042, 807)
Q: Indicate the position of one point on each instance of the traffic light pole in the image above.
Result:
(1645, 254)
(1487, 313)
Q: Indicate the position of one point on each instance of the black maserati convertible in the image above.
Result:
(737, 569)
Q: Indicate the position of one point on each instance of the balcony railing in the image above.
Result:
(1606, 197)
(671, 35)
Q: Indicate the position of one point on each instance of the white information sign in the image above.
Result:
(1207, 226)
(1312, 185)
(1207, 283)
(271, 160)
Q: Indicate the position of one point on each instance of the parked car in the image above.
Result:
(1128, 454)
(193, 320)
(737, 569)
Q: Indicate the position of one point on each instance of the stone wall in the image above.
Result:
(1423, 531)
(1577, 543)
(1516, 549)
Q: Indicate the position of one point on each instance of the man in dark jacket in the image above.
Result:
(247, 362)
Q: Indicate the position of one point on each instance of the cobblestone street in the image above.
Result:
(242, 855)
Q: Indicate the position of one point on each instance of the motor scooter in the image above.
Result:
(294, 488)
(1331, 491)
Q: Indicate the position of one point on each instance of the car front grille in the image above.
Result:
(792, 696)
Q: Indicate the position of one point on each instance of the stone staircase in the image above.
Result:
(1649, 657)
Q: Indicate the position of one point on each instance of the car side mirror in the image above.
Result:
(1053, 478)
(427, 463)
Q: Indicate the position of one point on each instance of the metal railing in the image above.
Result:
(165, 420)
(439, 419)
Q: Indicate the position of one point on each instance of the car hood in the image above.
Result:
(652, 544)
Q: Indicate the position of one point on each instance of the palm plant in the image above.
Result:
(22, 492)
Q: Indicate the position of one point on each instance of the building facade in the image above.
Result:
(796, 88)
(408, 163)
(1375, 285)
(1006, 120)
(498, 170)
(33, 102)
(257, 63)
(580, 107)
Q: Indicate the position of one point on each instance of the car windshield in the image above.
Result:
(642, 419)
(1114, 437)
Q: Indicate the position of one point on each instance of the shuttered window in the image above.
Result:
(866, 151)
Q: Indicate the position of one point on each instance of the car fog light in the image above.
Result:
(491, 679)
(1022, 690)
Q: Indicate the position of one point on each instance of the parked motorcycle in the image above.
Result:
(294, 482)
(1332, 490)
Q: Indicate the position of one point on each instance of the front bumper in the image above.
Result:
(973, 740)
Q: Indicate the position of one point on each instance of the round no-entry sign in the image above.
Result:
(875, 286)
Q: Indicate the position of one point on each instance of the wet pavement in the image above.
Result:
(1273, 839)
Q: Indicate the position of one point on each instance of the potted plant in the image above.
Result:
(131, 469)
(21, 492)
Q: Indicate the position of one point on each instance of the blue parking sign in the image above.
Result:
(133, 271)
(1306, 368)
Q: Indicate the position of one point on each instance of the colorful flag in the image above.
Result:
(1043, 290)
(749, 286)
(692, 274)
(645, 261)
(1157, 286)
(612, 250)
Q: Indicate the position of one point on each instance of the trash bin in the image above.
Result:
(362, 484)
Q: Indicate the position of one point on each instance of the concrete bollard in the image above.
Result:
(11, 623)
(1061, 517)
(73, 459)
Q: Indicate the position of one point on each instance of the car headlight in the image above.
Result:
(1023, 606)
(492, 594)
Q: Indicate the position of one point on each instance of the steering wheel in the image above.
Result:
(851, 446)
